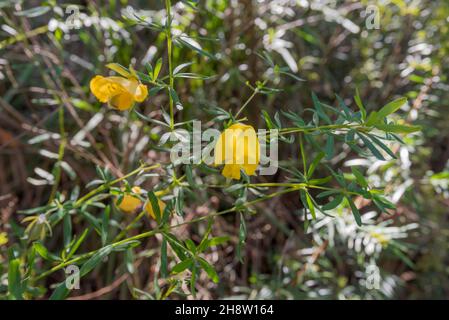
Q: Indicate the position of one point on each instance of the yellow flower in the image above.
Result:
(3, 238)
(149, 208)
(119, 92)
(238, 148)
(130, 202)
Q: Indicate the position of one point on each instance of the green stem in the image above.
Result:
(251, 97)
(170, 63)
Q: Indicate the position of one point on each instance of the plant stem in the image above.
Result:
(170, 63)
(251, 97)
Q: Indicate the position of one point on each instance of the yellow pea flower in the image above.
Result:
(130, 202)
(119, 92)
(238, 148)
(3, 238)
(149, 207)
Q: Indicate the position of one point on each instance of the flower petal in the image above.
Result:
(141, 93)
(121, 101)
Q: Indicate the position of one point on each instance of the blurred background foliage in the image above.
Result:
(45, 64)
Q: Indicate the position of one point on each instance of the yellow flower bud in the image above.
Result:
(130, 203)
(119, 92)
(238, 148)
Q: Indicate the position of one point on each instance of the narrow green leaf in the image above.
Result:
(61, 292)
(155, 205)
(382, 145)
(391, 107)
(77, 244)
(164, 268)
(314, 164)
(209, 270)
(105, 226)
(355, 212)
(183, 265)
(310, 205)
(41, 250)
(121, 70)
(329, 149)
(359, 104)
(371, 147)
(319, 109)
(359, 177)
(14, 279)
(157, 69)
(373, 118)
(334, 203)
(398, 128)
(242, 237)
(95, 260)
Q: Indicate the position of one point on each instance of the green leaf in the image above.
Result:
(191, 246)
(175, 98)
(77, 244)
(193, 280)
(105, 226)
(33, 12)
(314, 164)
(242, 237)
(209, 270)
(310, 205)
(391, 107)
(195, 47)
(121, 70)
(183, 265)
(355, 212)
(371, 147)
(157, 69)
(41, 250)
(373, 118)
(61, 292)
(95, 260)
(164, 268)
(181, 66)
(126, 245)
(268, 121)
(319, 109)
(15, 287)
(346, 110)
(189, 176)
(129, 260)
(155, 205)
(334, 203)
(217, 241)
(398, 128)
(359, 177)
(382, 145)
(329, 149)
(359, 104)
(176, 245)
(92, 220)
